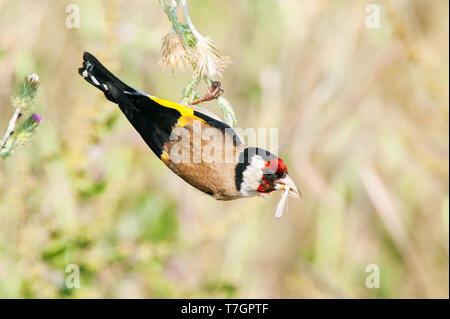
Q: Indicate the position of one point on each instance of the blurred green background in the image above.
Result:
(363, 118)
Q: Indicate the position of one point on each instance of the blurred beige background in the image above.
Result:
(363, 119)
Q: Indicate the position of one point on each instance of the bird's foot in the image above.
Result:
(213, 93)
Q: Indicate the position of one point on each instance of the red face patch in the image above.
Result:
(273, 170)
(277, 166)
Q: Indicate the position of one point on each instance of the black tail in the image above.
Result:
(96, 74)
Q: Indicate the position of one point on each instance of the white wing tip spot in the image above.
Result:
(95, 80)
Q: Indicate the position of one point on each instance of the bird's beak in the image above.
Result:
(288, 182)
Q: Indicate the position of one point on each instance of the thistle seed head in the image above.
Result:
(209, 59)
(173, 52)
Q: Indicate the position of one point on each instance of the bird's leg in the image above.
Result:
(213, 93)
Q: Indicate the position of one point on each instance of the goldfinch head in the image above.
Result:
(259, 172)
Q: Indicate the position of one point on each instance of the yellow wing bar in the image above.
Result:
(183, 109)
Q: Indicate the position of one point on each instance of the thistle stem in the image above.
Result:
(11, 127)
(189, 21)
(171, 12)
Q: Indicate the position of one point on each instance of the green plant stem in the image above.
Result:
(189, 21)
(189, 93)
(171, 12)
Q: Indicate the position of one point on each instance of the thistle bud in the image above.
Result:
(36, 118)
(25, 94)
(33, 79)
(26, 131)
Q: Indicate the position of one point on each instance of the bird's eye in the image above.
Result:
(270, 174)
(266, 185)
(283, 174)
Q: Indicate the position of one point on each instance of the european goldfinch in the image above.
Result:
(242, 172)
